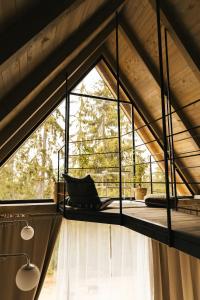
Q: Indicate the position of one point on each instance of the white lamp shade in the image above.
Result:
(27, 232)
(27, 277)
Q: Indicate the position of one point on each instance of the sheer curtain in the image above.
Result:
(102, 262)
(176, 274)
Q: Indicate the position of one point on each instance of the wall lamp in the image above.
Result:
(27, 231)
(27, 277)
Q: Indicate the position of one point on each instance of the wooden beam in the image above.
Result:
(86, 31)
(29, 25)
(179, 35)
(134, 42)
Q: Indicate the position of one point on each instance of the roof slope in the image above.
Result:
(72, 36)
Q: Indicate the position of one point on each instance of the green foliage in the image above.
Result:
(29, 173)
(158, 176)
(141, 167)
(96, 120)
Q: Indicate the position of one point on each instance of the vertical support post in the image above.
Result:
(118, 116)
(169, 143)
(66, 160)
(170, 121)
(133, 141)
(163, 119)
(150, 169)
(58, 178)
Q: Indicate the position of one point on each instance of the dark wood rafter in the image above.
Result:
(180, 36)
(145, 57)
(94, 25)
(155, 131)
(33, 24)
(47, 103)
(55, 84)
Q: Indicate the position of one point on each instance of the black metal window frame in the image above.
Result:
(166, 142)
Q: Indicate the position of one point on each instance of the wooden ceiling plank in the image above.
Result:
(134, 42)
(100, 18)
(32, 25)
(7, 10)
(155, 131)
(183, 41)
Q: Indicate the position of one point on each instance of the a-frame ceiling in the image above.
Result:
(40, 44)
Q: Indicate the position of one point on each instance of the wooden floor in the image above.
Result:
(180, 221)
(151, 222)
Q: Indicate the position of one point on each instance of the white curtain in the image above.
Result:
(103, 262)
(176, 274)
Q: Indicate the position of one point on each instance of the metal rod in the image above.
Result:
(92, 168)
(58, 178)
(191, 167)
(90, 140)
(127, 166)
(159, 153)
(133, 141)
(147, 182)
(99, 97)
(118, 115)
(169, 140)
(165, 146)
(186, 130)
(188, 138)
(173, 167)
(95, 153)
(66, 162)
(156, 154)
(151, 177)
(99, 139)
(169, 124)
(183, 139)
(68, 125)
(174, 111)
(176, 133)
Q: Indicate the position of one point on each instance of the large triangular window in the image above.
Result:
(32, 170)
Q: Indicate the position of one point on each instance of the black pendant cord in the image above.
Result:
(171, 123)
(118, 117)
(133, 141)
(165, 144)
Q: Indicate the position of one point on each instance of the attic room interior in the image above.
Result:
(99, 150)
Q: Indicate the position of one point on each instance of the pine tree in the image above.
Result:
(96, 127)
(30, 171)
